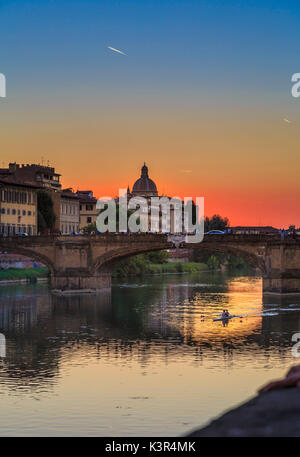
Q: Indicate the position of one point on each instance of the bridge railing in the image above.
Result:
(106, 237)
(178, 239)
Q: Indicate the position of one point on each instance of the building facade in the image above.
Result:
(87, 208)
(254, 230)
(69, 212)
(40, 176)
(18, 208)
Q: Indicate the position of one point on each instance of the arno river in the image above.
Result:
(146, 359)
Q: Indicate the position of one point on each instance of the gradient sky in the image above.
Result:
(201, 96)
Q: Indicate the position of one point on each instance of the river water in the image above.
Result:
(146, 359)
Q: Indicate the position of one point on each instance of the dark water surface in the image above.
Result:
(147, 359)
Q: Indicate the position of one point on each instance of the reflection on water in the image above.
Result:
(145, 359)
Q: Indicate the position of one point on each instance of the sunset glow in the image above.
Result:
(207, 111)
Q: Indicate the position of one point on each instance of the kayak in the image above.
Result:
(224, 318)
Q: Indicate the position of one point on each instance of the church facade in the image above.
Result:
(146, 188)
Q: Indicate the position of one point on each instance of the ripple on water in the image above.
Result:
(150, 347)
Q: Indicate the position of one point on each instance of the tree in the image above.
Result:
(157, 257)
(213, 262)
(90, 228)
(216, 222)
(46, 215)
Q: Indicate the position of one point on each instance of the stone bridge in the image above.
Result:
(84, 263)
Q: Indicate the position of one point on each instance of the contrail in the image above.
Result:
(117, 50)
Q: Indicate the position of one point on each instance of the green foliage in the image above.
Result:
(46, 215)
(213, 259)
(90, 228)
(24, 273)
(238, 263)
(213, 263)
(154, 263)
(231, 261)
(157, 257)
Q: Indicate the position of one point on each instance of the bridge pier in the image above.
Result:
(283, 285)
(282, 275)
(80, 283)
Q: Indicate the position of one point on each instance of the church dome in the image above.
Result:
(144, 185)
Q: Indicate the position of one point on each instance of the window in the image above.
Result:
(89, 220)
(2, 210)
(8, 211)
(24, 212)
(29, 213)
(13, 211)
(89, 207)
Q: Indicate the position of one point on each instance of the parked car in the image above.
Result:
(22, 234)
(215, 232)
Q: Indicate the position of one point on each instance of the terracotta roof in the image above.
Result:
(84, 196)
(69, 194)
(90, 200)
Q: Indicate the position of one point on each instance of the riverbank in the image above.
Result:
(22, 275)
(140, 269)
(272, 414)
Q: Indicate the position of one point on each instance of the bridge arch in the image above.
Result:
(105, 262)
(32, 254)
(252, 257)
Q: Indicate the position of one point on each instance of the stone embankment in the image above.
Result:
(271, 414)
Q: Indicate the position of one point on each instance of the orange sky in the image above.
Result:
(246, 165)
(201, 96)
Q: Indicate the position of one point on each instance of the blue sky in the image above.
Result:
(169, 43)
(206, 83)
